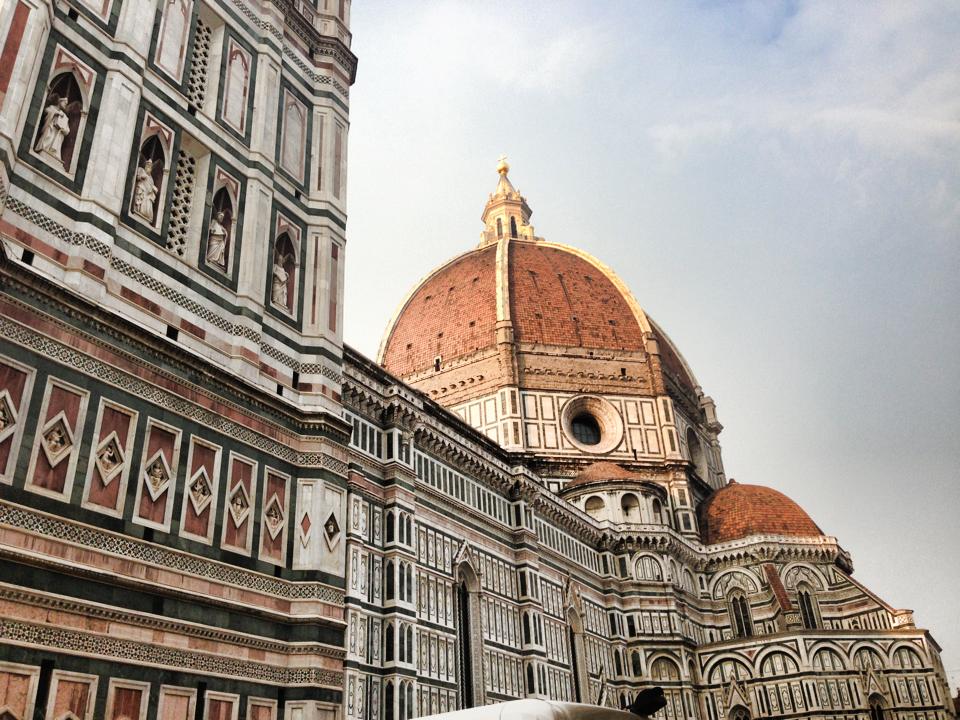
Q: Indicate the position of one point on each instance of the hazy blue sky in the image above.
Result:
(778, 183)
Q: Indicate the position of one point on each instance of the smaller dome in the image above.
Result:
(601, 472)
(737, 511)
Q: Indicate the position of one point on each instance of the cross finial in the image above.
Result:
(502, 166)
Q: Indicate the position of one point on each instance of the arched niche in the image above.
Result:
(61, 120)
(595, 507)
(697, 456)
(578, 655)
(470, 668)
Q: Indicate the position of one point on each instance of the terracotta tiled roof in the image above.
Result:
(452, 314)
(600, 471)
(558, 298)
(738, 511)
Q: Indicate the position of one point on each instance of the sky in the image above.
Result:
(778, 184)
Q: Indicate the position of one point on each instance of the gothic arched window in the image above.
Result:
(740, 622)
(388, 643)
(513, 227)
(876, 708)
(499, 228)
(635, 666)
(808, 606)
(390, 526)
(388, 571)
(388, 701)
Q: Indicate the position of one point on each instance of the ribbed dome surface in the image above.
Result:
(453, 313)
(737, 511)
(558, 298)
(555, 297)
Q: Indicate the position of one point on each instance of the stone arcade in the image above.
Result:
(211, 509)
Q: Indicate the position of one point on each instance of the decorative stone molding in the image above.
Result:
(74, 641)
(95, 539)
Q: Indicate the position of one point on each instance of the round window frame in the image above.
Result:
(603, 413)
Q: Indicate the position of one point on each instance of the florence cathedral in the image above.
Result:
(213, 509)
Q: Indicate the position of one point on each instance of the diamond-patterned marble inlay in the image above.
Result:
(200, 491)
(274, 516)
(156, 475)
(57, 440)
(8, 416)
(331, 530)
(239, 504)
(110, 458)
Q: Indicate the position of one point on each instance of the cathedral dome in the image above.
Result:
(536, 297)
(737, 511)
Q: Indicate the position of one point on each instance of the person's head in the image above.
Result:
(62, 103)
(148, 165)
(219, 215)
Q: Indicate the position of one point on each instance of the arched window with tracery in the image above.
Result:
(741, 624)
(648, 568)
(876, 708)
(636, 666)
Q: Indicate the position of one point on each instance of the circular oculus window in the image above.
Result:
(592, 424)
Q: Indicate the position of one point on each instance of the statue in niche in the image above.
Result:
(280, 280)
(144, 191)
(217, 240)
(5, 419)
(56, 127)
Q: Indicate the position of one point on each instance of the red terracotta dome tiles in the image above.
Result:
(557, 298)
(738, 511)
(452, 314)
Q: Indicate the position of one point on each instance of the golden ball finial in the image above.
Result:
(502, 166)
